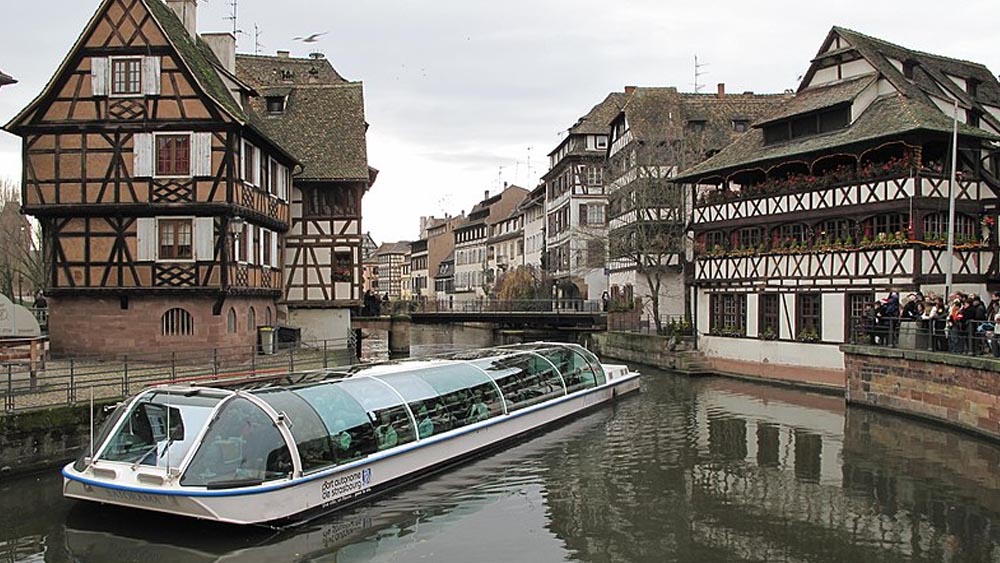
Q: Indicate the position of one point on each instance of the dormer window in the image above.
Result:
(909, 66)
(972, 86)
(741, 125)
(275, 104)
(696, 125)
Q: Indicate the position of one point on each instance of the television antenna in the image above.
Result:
(257, 45)
(698, 73)
(232, 17)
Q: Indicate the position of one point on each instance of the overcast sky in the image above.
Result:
(462, 95)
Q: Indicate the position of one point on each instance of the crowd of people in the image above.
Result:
(963, 324)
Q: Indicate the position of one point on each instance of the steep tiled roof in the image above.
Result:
(401, 247)
(819, 98)
(888, 116)
(599, 117)
(907, 110)
(323, 124)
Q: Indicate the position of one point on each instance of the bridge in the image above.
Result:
(395, 317)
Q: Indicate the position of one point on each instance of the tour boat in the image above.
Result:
(275, 454)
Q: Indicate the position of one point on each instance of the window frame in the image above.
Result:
(728, 312)
(112, 63)
(157, 173)
(812, 320)
(160, 221)
(769, 316)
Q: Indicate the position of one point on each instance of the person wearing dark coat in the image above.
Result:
(974, 326)
(890, 316)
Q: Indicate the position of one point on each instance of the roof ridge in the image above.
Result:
(840, 29)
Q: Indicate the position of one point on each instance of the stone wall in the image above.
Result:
(87, 326)
(37, 440)
(961, 391)
(648, 349)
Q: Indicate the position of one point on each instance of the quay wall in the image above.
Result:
(649, 349)
(960, 391)
(37, 440)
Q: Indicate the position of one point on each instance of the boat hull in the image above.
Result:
(288, 501)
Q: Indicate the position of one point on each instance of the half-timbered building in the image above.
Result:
(576, 204)
(658, 131)
(840, 196)
(164, 232)
(308, 107)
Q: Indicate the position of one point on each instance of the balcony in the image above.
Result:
(776, 198)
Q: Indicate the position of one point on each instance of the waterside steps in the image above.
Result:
(691, 363)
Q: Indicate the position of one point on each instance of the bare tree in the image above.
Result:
(24, 262)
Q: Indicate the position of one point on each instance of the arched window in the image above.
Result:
(176, 322)
(837, 230)
(231, 321)
(267, 317)
(252, 320)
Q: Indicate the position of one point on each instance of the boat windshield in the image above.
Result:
(159, 429)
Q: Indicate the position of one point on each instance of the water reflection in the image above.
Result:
(703, 470)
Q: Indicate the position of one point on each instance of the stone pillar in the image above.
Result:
(399, 337)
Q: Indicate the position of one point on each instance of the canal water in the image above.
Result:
(688, 470)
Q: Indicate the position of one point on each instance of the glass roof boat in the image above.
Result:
(274, 454)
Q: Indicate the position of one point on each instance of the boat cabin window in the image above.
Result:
(524, 379)
(310, 434)
(351, 433)
(430, 414)
(385, 410)
(575, 369)
(242, 448)
(102, 434)
(159, 430)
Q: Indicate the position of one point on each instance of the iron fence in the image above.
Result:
(493, 306)
(670, 325)
(974, 338)
(66, 381)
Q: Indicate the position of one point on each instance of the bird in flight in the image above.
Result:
(310, 38)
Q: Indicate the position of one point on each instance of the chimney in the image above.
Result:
(317, 56)
(486, 195)
(187, 12)
(284, 54)
(722, 89)
(224, 47)
(629, 90)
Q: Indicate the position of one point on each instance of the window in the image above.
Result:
(176, 322)
(175, 239)
(343, 267)
(809, 314)
(837, 230)
(855, 313)
(696, 125)
(595, 215)
(275, 104)
(776, 133)
(602, 142)
(796, 232)
(252, 320)
(249, 162)
(740, 125)
(886, 224)
(768, 325)
(243, 244)
(267, 317)
(273, 187)
(173, 155)
(231, 321)
(715, 240)
(936, 228)
(268, 258)
(332, 202)
(750, 237)
(126, 76)
(595, 176)
(728, 314)
(265, 180)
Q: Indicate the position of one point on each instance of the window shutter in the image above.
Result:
(256, 169)
(99, 76)
(145, 239)
(251, 245)
(260, 246)
(201, 154)
(142, 151)
(243, 160)
(151, 76)
(274, 250)
(204, 239)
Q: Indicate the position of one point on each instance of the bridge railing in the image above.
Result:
(487, 306)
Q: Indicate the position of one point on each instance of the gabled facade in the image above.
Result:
(305, 105)
(533, 208)
(162, 234)
(441, 247)
(505, 247)
(473, 275)
(420, 282)
(841, 196)
(576, 205)
(394, 269)
(657, 132)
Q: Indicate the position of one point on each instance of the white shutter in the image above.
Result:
(204, 239)
(251, 246)
(201, 154)
(243, 160)
(258, 155)
(260, 245)
(142, 151)
(151, 76)
(274, 250)
(99, 76)
(145, 239)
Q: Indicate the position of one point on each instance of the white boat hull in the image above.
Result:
(330, 489)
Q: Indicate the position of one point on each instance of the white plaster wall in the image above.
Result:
(856, 68)
(322, 324)
(864, 99)
(885, 87)
(753, 306)
(786, 316)
(833, 317)
(824, 75)
(825, 356)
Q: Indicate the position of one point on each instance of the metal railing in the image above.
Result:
(67, 381)
(487, 306)
(974, 338)
(670, 325)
